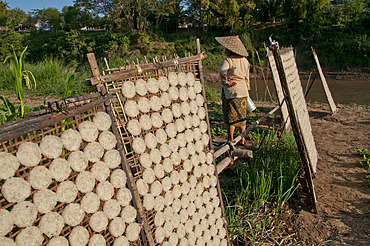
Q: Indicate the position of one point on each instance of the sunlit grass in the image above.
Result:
(255, 191)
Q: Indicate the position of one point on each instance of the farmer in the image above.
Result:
(234, 74)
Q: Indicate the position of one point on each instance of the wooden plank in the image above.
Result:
(98, 79)
(333, 108)
(279, 90)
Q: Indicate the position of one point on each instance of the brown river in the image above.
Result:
(343, 91)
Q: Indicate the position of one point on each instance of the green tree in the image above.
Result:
(71, 17)
(54, 18)
(4, 14)
(17, 17)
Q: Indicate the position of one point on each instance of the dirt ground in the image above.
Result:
(343, 195)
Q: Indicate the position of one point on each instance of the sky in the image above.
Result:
(28, 5)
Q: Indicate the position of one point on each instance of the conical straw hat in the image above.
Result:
(234, 44)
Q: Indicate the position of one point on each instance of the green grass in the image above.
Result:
(257, 190)
(365, 163)
(50, 75)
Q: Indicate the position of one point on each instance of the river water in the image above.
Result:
(343, 91)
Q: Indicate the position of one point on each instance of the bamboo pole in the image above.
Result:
(98, 79)
(226, 147)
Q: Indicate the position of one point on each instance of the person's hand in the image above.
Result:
(231, 82)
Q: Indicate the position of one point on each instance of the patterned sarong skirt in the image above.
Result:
(235, 111)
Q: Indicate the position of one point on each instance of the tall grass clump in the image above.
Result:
(50, 75)
(256, 191)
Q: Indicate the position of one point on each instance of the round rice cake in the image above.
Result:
(159, 234)
(112, 158)
(156, 188)
(16, 189)
(180, 125)
(196, 121)
(185, 108)
(44, 200)
(175, 158)
(77, 161)
(145, 160)
(176, 110)
(167, 165)
(111, 208)
(150, 141)
(102, 121)
(190, 78)
(6, 222)
(176, 191)
(85, 182)
(159, 219)
(60, 169)
(58, 241)
(185, 188)
(93, 151)
(167, 115)
(29, 154)
(168, 200)
(143, 105)
(161, 136)
(191, 93)
(166, 184)
(159, 203)
(163, 83)
(155, 156)
(156, 120)
(107, 140)
(131, 108)
(133, 232)
(140, 87)
(165, 150)
(145, 122)
(97, 240)
(183, 94)
(124, 196)
(182, 78)
(166, 99)
(71, 139)
(184, 153)
(88, 130)
(173, 144)
(188, 120)
(51, 224)
(159, 171)
(40, 177)
(100, 171)
(90, 202)
(51, 146)
(134, 127)
(24, 214)
(128, 89)
(73, 214)
(142, 187)
(148, 201)
(171, 130)
(129, 214)
(66, 192)
(98, 221)
(173, 79)
(29, 236)
(205, 139)
(79, 236)
(117, 227)
(197, 86)
(105, 190)
(121, 241)
(9, 164)
(149, 176)
(181, 140)
(152, 85)
(155, 103)
(193, 107)
(118, 178)
(191, 148)
(138, 145)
